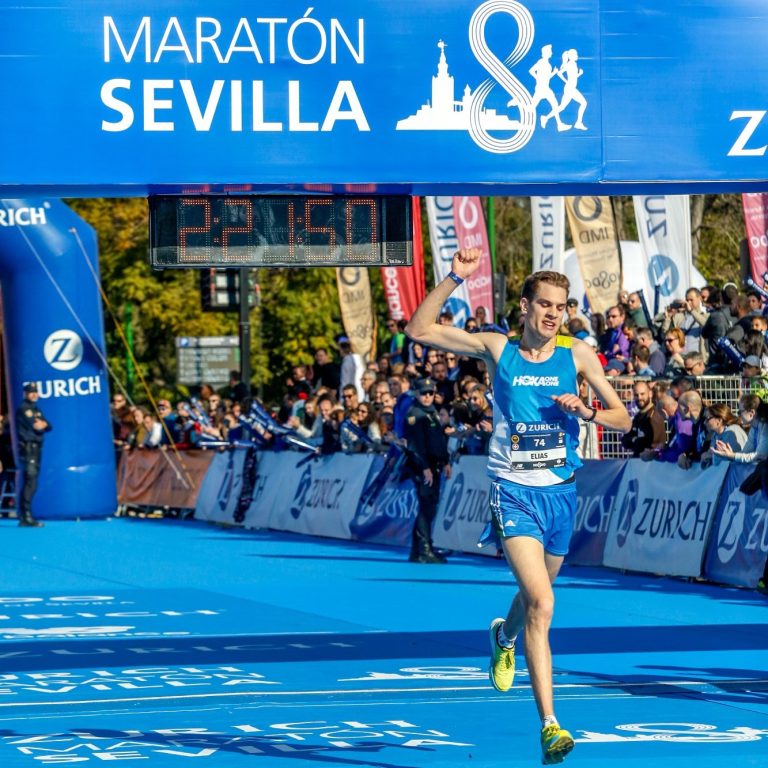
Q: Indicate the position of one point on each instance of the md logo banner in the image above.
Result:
(464, 511)
(388, 515)
(662, 519)
(597, 488)
(738, 546)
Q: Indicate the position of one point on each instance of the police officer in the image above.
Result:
(30, 427)
(428, 457)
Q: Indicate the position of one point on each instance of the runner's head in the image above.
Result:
(543, 301)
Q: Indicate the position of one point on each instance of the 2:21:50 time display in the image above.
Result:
(283, 229)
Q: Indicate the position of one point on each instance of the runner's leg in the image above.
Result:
(532, 569)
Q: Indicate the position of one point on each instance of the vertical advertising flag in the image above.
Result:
(548, 221)
(756, 219)
(357, 309)
(597, 249)
(454, 223)
(664, 231)
(404, 287)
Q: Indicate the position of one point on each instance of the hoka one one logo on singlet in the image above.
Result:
(535, 381)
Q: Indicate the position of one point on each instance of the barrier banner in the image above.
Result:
(317, 496)
(664, 231)
(154, 477)
(443, 235)
(597, 486)
(662, 518)
(755, 206)
(220, 490)
(404, 287)
(464, 512)
(548, 221)
(738, 546)
(597, 249)
(354, 287)
(391, 513)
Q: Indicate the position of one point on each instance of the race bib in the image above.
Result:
(537, 446)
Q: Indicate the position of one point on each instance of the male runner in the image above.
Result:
(532, 460)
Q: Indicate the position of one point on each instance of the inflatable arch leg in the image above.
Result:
(54, 335)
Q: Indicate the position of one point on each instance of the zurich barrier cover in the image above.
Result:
(135, 97)
(739, 541)
(663, 517)
(631, 514)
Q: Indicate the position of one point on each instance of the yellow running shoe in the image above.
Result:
(502, 667)
(556, 743)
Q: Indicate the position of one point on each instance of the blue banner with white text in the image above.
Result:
(597, 485)
(172, 96)
(738, 546)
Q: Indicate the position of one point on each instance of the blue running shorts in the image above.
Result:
(544, 513)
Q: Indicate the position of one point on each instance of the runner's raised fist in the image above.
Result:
(466, 261)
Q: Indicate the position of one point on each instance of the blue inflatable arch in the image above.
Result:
(54, 336)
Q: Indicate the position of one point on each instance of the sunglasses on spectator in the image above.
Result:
(428, 392)
(669, 341)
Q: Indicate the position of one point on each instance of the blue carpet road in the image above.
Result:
(182, 643)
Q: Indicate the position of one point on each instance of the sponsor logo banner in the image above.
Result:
(391, 513)
(354, 287)
(318, 497)
(664, 231)
(756, 219)
(548, 221)
(220, 490)
(662, 519)
(597, 486)
(597, 248)
(738, 546)
(464, 511)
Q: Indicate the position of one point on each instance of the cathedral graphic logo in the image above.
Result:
(540, 109)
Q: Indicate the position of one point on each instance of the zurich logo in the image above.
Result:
(454, 499)
(63, 350)
(301, 493)
(627, 509)
(662, 271)
(521, 428)
(730, 530)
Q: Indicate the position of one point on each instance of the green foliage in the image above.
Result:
(300, 308)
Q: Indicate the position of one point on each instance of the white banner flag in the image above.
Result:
(664, 231)
(441, 213)
(548, 220)
(662, 519)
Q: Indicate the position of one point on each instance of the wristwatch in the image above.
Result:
(592, 415)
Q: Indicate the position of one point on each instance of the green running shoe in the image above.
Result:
(502, 667)
(556, 743)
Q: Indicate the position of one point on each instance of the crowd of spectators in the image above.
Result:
(342, 403)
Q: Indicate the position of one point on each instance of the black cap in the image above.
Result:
(572, 302)
(425, 385)
(30, 386)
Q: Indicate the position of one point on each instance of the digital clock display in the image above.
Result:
(280, 231)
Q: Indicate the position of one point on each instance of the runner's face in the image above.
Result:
(544, 312)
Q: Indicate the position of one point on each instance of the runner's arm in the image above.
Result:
(614, 415)
(424, 328)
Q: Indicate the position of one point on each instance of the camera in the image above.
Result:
(678, 304)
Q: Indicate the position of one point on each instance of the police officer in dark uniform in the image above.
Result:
(30, 428)
(428, 457)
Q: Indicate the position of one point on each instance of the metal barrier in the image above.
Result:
(713, 389)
